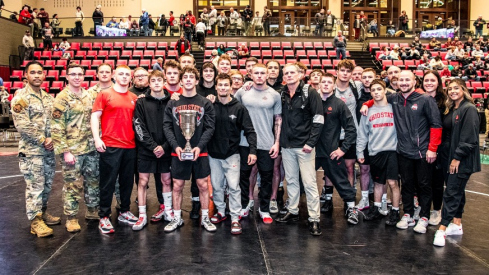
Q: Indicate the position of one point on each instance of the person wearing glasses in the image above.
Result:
(73, 142)
(238, 81)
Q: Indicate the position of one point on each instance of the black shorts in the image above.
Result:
(161, 166)
(182, 170)
(263, 159)
(384, 166)
(351, 153)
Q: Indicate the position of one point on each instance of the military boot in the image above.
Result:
(39, 228)
(195, 213)
(72, 225)
(49, 219)
(92, 213)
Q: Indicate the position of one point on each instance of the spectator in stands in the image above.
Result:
(374, 29)
(479, 63)
(25, 17)
(258, 24)
(416, 43)
(479, 25)
(43, 17)
(412, 54)
(436, 63)
(329, 20)
(470, 74)
(459, 51)
(267, 14)
(243, 51)
(456, 72)
(449, 43)
(482, 43)
(469, 45)
(233, 16)
(134, 28)
(391, 28)
(204, 16)
(357, 25)
(435, 44)
(238, 82)
(319, 17)
(47, 35)
(112, 23)
(394, 54)
(477, 52)
(35, 23)
(424, 62)
(13, 16)
(384, 53)
(55, 23)
(151, 25)
(339, 42)
(247, 18)
(451, 54)
(188, 29)
(80, 17)
(29, 45)
(403, 21)
(222, 50)
(457, 42)
(222, 22)
(98, 18)
(445, 73)
(124, 24)
(213, 20)
(466, 60)
(191, 17)
(182, 45)
(162, 22)
(214, 57)
(158, 65)
(144, 22)
(171, 23)
(64, 45)
(425, 51)
(200, 30)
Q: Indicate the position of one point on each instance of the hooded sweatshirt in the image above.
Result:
(201, 89)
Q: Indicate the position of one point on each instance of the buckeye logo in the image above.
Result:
(414, 107)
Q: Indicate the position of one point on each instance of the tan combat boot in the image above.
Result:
(92, 213)
(50, 220)
(72, 225)
(39, 228)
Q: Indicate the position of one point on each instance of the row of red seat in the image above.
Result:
(87, 46)
(273, 45)
(310, 63)
(290, 54)
(54, 87)
(373, 46)
(104, 54)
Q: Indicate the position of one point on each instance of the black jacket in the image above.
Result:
(98, 16)
(247, 12)
(418, 123)
(148, 126)
(186, 45)
(278, 86)
(464, 141)
(139, 91)
(204, 127)
(201, 89)
(151, 24)
(302, 117)
(231, 119)
(336, 116)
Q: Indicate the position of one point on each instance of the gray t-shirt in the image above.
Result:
(262, 106)
(350, 101)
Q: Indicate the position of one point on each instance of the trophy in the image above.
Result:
(187, 124)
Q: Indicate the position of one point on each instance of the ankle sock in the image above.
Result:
(167, 199)
(378, 204)
(205, 213)
(177, 214)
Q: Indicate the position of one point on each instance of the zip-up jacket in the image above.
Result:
(148, 126)
(231, 119)
(201, 89)
(204, 126)
(464, 141)
(336, 116)
(418, 123)
(302, 117)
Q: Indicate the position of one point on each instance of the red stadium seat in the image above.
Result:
(130, 46)
(137, 54)
(141, 46)
(265, 45)
(57, 55)
(52, 75)
(49, 64)
(161, 53)
(121, 62)
(234, 45)
(86, 46)
(318, 46)
(316, 64)
(91, 55)
(86, 64)
(322, 54)
(145, 63)
(45, 86)
(289, 54)
(328, 46)
(90, 75)
(17, 75)
(133, 63)
(56, 86)
(96, 63)
(80, 55)
(277, 53)
(113, 55)
(266, 54)
(149, 54)
(298, 46)
(108, 46)
(301, 54)
(85, 84)
(7, 85)
(286, 46)
(46, 55)
(37, 55)
(151, 46)
(75, 46)
(311, 54)
(308, 46)
(126, 54)
(97, 45)
(210, 45)
(118, 46)
(327, 64)
(276, 46)
(102, 54)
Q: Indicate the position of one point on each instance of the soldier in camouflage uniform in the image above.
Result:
(31, 111)
(73, 141)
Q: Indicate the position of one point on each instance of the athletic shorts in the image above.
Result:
(366, 156)
(351, 153)
(182, 170)
(383, 166)
(161, 166)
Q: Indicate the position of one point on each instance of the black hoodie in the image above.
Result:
(148, 126)
(278, 86)
(231, 119)
(201, 89)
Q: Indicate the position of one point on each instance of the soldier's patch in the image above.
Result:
(17, 108)
(58, 110)
(56, 114)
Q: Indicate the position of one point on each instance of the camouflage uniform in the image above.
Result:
(71, 132)
(31, 112)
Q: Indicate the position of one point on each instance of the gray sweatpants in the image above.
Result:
(226, 170)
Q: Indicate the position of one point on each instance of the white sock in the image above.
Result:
(351, 204)
(205, 213)
(329, 197)
(142, 210)
(195, 199)
(167, 199)
(222, 212)
(365, 194)
(395, 208)
(177, 214)
(281, 184)
(384, 197)
(378, 204)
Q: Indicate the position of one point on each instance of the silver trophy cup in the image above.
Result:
(188, 119)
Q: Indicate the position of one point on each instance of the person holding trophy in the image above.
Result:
(188, 125)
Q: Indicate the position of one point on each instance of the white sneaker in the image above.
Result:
(435, 217)
(417, 210)
(453, 229)
(421, 225)
(140, 224)
(267, 219)
(251, 205)
(384, 209)
(105, 226)
(405, 222)
(363, 204)
(273, 207)
(127, 217)
(440, 236)
(208, 225)
(244, 213)
(168, 215)
(173, 225)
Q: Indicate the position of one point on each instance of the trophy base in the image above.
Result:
(187, 156)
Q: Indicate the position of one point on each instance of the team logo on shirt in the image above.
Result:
(232, 117)
(199, 109)
(414, 107)
(132, 101)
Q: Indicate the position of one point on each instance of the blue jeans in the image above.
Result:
(188, 36)
(145, 29)
(478, 33)
(341, 51)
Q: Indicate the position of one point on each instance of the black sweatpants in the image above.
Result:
(265, 168)
(416, 179)
(454, 197)
(335, 170)
(437, 184)
(116, 162)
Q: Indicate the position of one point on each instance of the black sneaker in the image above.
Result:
(322, 198)
(287, 218)
(352, 215)
(195, 213)
(373, 214)
(284, 209)
(327, 206)
(280, 197)
(393, 217)
(314, 228)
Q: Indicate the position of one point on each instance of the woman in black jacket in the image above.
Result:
(460, 143)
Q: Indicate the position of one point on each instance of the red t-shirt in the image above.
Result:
(180, 91)
(116, 120)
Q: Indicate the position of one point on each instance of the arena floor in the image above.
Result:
(367, 248)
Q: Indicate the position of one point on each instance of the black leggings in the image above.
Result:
(437, 184)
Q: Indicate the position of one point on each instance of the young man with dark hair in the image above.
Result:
(207, 85)
(172, 71)
(32, 111)
(73, 141)
(249, 63)
(204, 128)
(112, 112)
(231, 118)
(330, 149)
(153, 149)
(265, 108)
(314, 78)
(377, 129)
